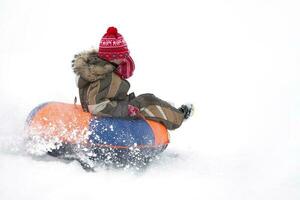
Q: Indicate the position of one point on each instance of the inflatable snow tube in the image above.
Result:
(69, 124)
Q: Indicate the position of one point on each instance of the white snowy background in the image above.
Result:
(237, 61)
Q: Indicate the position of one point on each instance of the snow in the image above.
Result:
(236, 61)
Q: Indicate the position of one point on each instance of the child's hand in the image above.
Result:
(133, 111)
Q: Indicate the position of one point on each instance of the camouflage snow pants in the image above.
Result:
(150, 107)
(153, 108)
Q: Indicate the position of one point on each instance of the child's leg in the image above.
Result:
(110, 108)
(158, 110)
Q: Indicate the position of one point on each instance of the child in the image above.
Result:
(103, 88)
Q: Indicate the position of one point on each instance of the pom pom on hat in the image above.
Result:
(112, 30)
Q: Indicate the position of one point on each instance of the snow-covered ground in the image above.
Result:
(237, 61)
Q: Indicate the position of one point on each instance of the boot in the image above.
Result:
(187, 110)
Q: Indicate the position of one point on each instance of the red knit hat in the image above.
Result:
(113, 46)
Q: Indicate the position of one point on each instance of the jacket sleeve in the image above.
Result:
(80, 82)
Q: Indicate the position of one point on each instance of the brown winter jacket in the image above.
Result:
(102, 92)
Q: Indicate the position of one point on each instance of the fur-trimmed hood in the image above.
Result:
(90, 67)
